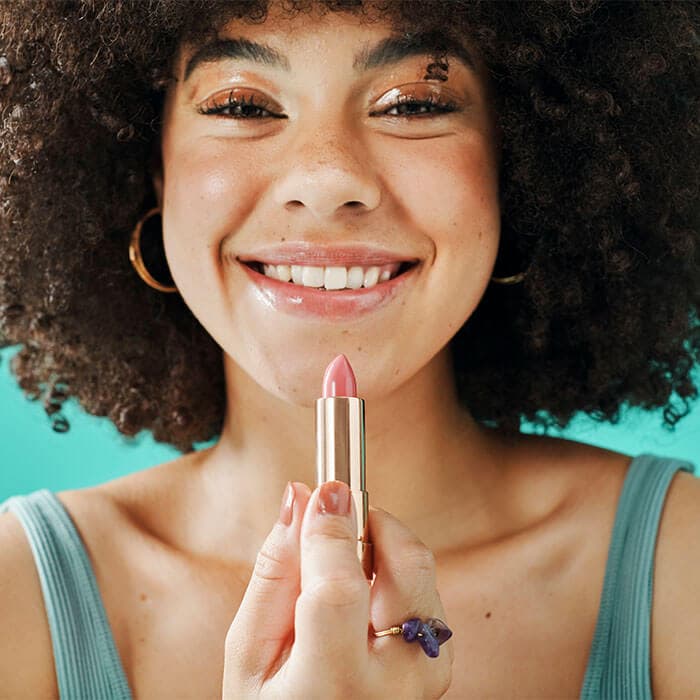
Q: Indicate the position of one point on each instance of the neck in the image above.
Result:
(428, 462)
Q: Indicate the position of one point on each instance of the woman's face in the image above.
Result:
(333, 158)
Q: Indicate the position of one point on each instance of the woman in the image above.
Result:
(526, 173)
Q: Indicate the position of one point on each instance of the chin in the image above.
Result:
(296, 376)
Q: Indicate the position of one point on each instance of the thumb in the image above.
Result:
(264, 621)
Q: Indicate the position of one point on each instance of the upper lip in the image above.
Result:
(324, 255)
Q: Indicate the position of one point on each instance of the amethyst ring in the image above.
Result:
(430, 634)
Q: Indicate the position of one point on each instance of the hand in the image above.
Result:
(302, 629)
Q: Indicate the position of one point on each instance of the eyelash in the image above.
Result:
(439, 107)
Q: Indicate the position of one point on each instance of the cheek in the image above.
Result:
(208, 194)
(205, 183)
(449, 190)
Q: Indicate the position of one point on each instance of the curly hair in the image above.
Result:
(599, 111)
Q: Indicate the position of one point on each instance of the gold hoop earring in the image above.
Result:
(137, 259)
(513, 279)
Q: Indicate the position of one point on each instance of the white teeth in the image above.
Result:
(313, 276)
(356, 276)
(297, 274)
(284, 273)
(371, 276)
(335, 278)
(331, 278)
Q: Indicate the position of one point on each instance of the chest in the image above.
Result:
(519, 640)
(516, 633)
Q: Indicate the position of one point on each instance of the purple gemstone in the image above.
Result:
(428, 641)
(410, 629)
(439, 629)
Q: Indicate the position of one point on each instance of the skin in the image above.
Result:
(505, 540)
(291, 181)
(513, 534)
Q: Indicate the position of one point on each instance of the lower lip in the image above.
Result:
(334, 304)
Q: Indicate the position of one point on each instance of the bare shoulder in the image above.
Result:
(675, 640)
(109, 517)
(104, 512)
(138, 491)
(106, 518)
(586, 477)
(594, 479)
(26, 655)
(27, 664)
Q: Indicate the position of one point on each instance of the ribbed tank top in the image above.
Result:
(87, 661)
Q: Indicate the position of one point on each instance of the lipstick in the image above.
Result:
(340, 446)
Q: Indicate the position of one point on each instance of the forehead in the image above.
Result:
(371, 39)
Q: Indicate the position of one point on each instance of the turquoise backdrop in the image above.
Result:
(33, 456)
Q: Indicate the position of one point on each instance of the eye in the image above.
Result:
(240, 105)
(410, 106)
(417, 100)
(426, 102)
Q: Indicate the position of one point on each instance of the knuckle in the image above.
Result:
(334, 528)
(337, 592)
(269, 565)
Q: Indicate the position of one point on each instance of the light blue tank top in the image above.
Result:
(87, 662)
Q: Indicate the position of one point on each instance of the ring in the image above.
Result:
(429, 634)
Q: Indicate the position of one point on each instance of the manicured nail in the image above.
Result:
(334, 498)
(287, 507)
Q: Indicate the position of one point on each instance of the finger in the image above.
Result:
(405, 582)
(264, 622)
(332, 611)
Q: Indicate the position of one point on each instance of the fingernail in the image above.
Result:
(287, 507)
(334, 498)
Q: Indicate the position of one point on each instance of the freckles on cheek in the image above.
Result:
(440, 190)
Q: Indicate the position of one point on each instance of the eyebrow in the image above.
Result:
(388, 51)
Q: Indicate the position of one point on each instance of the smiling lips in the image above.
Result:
(342, 304)
(328, 268)
(335, 282)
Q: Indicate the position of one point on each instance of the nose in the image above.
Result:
(327, 172)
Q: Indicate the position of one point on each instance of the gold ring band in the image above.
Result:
(391, 630)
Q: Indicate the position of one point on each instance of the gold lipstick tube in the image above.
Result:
(340, 455)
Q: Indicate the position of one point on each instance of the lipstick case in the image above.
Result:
(340, 455)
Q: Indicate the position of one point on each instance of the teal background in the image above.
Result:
(33, 456)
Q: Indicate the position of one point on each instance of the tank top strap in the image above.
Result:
(619, 661)
(86, 658)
